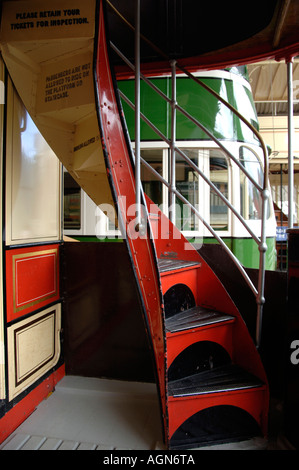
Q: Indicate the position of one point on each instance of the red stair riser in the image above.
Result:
(220, 334)
(185, 276)
(252, 400)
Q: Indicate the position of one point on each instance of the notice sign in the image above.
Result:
(281, 234)
(27, 20)
(66, 84)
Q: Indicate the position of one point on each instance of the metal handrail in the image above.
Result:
(236, 112)
(190, 75)
(259, 292)
(191, 118)
(205, 223)
(195, 168)
(137, 117)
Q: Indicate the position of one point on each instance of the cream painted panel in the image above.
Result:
(32, 181)
(33, 348)
(66, 84)
(88, 154)
(274, 130)
(47, 19)
(48, 50)
(50, 62)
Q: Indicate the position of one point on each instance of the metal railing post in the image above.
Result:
(261, 280)
(137, 117)
(173, 144)
(290, 144)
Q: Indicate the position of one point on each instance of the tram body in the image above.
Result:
(84, 220)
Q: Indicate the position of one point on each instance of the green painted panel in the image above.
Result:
(151, 104)
(214, 115)
(246, 250)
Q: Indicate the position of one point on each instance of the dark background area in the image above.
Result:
(104, 332)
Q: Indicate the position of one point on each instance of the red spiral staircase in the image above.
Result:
(212, 385)
(211, 382)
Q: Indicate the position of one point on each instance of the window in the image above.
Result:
(219, 177)
(151, 185)
(251, 201)
(82, 217)
(189, 183)
(72, 203)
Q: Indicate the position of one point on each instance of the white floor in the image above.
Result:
(99, 414)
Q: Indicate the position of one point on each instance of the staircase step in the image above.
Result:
(195, 317)
(170, 264)
(221, 379)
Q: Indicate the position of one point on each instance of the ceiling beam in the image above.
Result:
(284, 6)
(274, 79)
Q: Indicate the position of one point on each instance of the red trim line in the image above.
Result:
(25, 407)
(215, 61)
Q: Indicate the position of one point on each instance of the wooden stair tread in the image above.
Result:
(221, 379)
(169, 264)
(195, 317)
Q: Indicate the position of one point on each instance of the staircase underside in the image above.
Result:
(173, 28)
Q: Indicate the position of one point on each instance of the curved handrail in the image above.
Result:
(196, 169)
(259, 292)
(206, 224)
(188, 116)
(236, 112)
(196, 79)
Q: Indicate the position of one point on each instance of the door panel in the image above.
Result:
(33, 348)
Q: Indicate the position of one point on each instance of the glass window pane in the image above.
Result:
(187, 185)
(251, 202)
(192, 187)
(151, 185)
(219, 177)
(72, 203)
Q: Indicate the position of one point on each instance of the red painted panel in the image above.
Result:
(220, 334)
(187, 276)
(32, 279)
(252, 400)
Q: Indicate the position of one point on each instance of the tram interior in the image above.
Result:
(108, 364)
